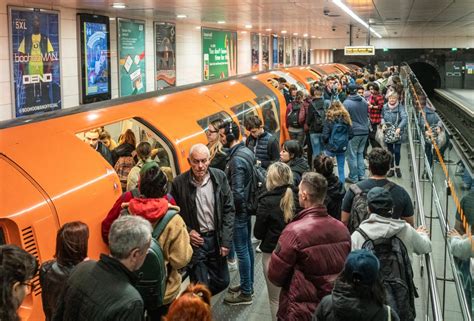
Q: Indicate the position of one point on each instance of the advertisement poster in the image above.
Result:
(287, 51)
(294, 51)
(219, 54)
(131, 55)
(165, 37)
(275, 51)
(300, 52)
(280, 51)
(309, 57)
(265, 53)
(255, 51)
(305, 50)
(470, 68)
(35, 60)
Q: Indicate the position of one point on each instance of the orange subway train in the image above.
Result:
(49, 176)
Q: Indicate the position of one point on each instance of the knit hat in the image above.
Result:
(361, 266)
(159, 181)
(380, 201)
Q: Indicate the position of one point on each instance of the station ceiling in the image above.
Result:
(315, 18)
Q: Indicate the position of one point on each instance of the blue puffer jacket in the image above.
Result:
(239, 173)
(265, 147)
(359, 111)
(390, 116)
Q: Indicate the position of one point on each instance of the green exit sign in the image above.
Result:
(385, 49)
(454, 49)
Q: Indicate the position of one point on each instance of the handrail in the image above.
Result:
(433, 289)
(441, 215)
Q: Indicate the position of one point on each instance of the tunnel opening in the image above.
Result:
(427, 75)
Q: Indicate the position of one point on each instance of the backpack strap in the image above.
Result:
(364, 235)
(389, 318)
(389, 186)
(158, 229)
(355, 189)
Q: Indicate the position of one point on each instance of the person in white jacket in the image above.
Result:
(381, 225)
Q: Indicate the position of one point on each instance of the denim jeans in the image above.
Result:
(244, 250)
(355, 157)
(299, 136)
(340, 159)
(316, 144)
(209, 267)
(395, 150)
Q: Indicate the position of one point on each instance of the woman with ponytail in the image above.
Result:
(276, 208)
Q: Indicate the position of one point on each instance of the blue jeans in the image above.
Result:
(395, 150)
(316, 143)
(244, 250)
(355, 157)
(340, 158)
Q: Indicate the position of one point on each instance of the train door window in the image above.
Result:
(161, 151)
(243, 110)
(271, 117)
(204, 122)
(2, 237)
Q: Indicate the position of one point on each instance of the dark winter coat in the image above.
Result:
(98, 291)
(309, 256)
(270, 222)
(334, 196)
(344, 304)
(184, 193)
(219, 161)
(265, 147)
(105, 152)
(327, 130)
(298, 166)
(122, 150)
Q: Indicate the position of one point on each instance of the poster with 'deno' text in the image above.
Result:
(131, 52)
(219, 54)
(35, 60)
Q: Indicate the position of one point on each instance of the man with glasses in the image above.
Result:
(263, 144)
(205, 199)
(104, 290)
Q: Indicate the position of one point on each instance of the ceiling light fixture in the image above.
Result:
(313, 37)
(181, 16)
(198, 27)
(305, 35)
(248, 26)
(268, 29)
(221, 22)
(119, 5)
(283, 31)
(295, 33)
(243, 31)
(356, 17)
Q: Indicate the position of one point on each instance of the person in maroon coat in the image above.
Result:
(310, 253)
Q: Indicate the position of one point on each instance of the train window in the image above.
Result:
(2, 237)
(310, 80)
(270, 113)
(162, 153)
(243, 110)
(273, 82)
(204, 122)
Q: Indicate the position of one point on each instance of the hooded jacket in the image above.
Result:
(309, 256)
(174, 240)
(298, 166)
(344, 304)
(377, 226)
(359, 111)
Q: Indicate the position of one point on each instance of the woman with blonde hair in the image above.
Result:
(276, 208)
(217, 152)
(337, 132)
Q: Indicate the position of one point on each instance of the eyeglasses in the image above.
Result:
(208, 131)
(30, 286)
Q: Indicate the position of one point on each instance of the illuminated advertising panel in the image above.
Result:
(255, 40)
(219, 54)
(165, 54)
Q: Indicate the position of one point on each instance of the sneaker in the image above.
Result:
(232, 264)
(350, 181)
(399, 172)
(236, 290)
(390, 173)
(238, 299)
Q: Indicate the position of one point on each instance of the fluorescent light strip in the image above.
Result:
(353, 15)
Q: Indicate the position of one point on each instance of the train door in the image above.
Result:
(271, 117)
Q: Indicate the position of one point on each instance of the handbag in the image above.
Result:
(390, 132)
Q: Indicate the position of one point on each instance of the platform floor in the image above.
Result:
(461, 97)
(260, 311)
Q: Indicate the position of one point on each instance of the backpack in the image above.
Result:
(359, 211)
(317, 123)
(396, 273)
(339, 138)
(153, 274)
(123, 167)
(257, 184)
(294, 115)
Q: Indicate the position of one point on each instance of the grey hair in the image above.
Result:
(127, 233)
(393, 94)
(201, 148)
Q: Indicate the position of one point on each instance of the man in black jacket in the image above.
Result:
(205, 199)
(239, 170)
(104, 290)
(264, 145)
(92, 138)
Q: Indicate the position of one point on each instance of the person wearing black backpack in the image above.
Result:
(358, 293)
(295, 117)
(393, 241)
(337, 132)
(315, 121)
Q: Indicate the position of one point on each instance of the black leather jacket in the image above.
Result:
(184, 193)
(239, 173)
(53, 276)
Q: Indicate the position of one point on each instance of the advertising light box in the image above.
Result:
(219, 54)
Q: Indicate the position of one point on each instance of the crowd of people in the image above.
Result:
(333, 247)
